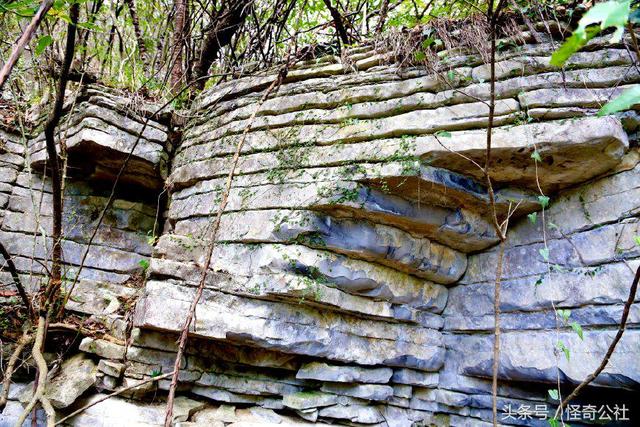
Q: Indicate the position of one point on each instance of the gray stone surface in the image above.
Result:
(373, 392)
(352, 278)
(222, 316)
(417, 378)
(76, 375)
(344, 374)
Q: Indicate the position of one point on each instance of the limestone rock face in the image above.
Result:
(104, 130)
(76, 376)
(352, 278)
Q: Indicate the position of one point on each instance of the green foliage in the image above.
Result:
(564, 314)
(611, 14)
(144, 263)
(553, 393)
(544, 201)
(626, 99)
(43, 43)
(565, 350)
(608, 14)
(544, 252)
(577, 328)
(443, 134)
(536, 156)
(533, 217)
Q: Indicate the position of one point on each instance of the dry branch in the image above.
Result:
(16, 280)
(24, 40)
(53, 286)
(337, 22)
(610, 350)
(11, 366)
(41, 379)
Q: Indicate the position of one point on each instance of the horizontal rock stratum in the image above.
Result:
(352, 279)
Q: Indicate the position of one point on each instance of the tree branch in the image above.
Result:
(229, 20)
(612, 346)
(24, 40)
(16, 280)
(53, 286)
(337, 22)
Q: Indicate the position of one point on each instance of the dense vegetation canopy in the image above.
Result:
(159, 46)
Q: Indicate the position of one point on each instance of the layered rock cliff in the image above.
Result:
(352, 279)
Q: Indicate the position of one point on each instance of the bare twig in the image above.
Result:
(11, 365)
(492, 18)
(16, 280)
(610, 350)
(24, 40)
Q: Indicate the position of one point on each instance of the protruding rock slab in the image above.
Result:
(438, 210)
(292, 329)
(530, 356)
(321, 268)
(309, 399)
(99, 138)
(411, 377)
(374, 392)
(344, 374)
(376, 243)
(572, 152)
(76, 376)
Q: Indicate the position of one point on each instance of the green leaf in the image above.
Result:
(451, 75)
(544, 201)
(637, 240)
(554, 394)
(443, 134)
(545, 253)
(553, 422)
(624, 101)
(533, 217)
(144, 263)
(536, 156)
(420, 56)
(564, 314)
(565, 350)
(578, 329)
(608, 14)
(43, 43)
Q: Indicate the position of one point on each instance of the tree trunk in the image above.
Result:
(179, 29)
(55, 280)
(337, 22)
(229, 20)
(136, 29)
(384, 10)
(24, 40)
